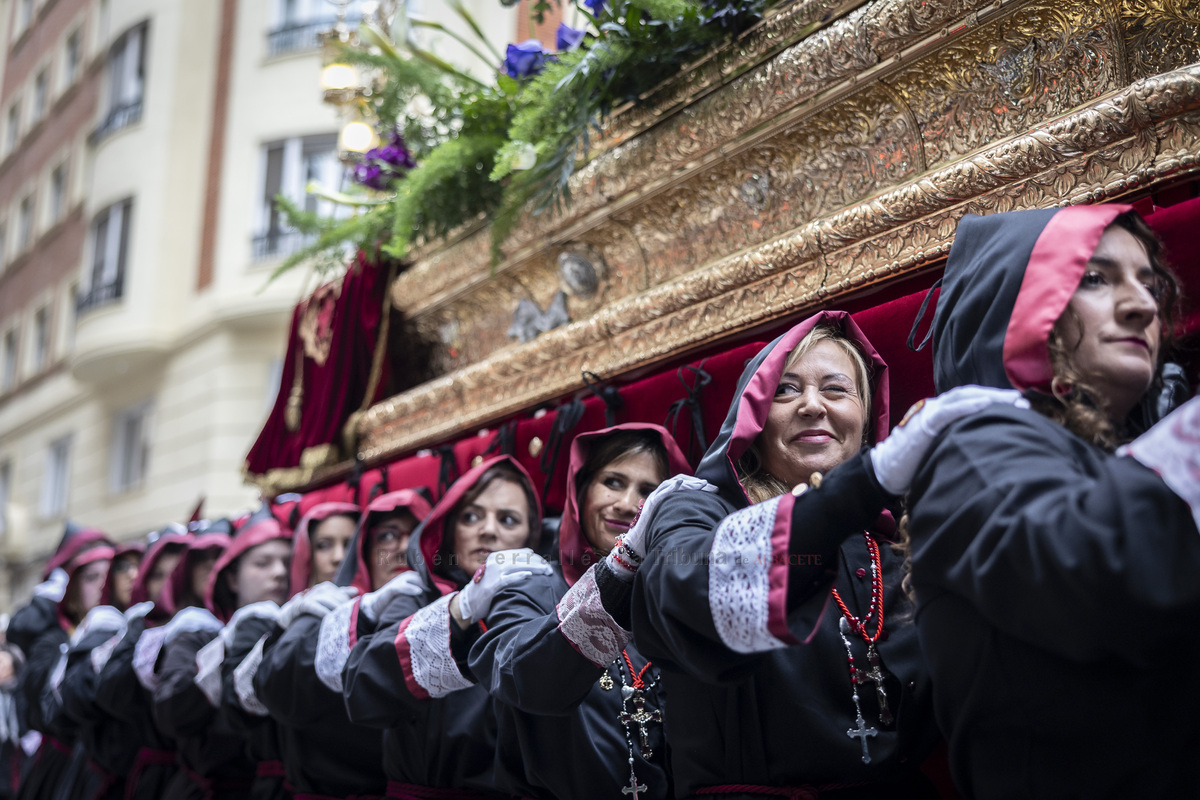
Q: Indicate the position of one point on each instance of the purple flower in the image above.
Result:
(596, 6)
(524, 60)
(568, 38)
(382, 165)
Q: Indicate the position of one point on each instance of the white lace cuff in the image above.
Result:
(208, 670)
(145, 656)
(334, 642)
(423, 647)
(243, 680)
(747, 577)
(587, 626)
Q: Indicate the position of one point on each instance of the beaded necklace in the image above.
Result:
(848, 623)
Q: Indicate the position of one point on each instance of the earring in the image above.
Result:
(1061, 389)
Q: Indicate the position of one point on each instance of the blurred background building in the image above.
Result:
(141, 145)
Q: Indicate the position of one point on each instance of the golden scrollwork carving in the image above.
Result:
(1029, 62)
(649, 162)
(1160, 35)
(1145, 133)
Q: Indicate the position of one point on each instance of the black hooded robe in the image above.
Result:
(324, 752)
(120, 695)
(736, 610)
(1056, 583)
(559, 712)
(432, 739)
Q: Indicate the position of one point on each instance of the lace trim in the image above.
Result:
(145, 656)
(103, 652)
(423, 645)
(1171, 449)
(208, 670)
(587, 626)
(739, 582)
(333, 645)
(243, 680)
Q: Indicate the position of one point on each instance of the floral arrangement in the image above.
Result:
(455, 149)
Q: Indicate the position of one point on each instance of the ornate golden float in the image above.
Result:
(827, 151)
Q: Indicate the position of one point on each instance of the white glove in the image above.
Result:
(1171, 448)
(53, 587)
(630, 550)
(317, 602)
(100, 618)
(190, 620)
(138, 611)
(898, 457)
(501, 569)
(406, 584)
(264, 609)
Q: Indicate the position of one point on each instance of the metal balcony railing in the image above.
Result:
(278, 243)
(293, 37)
(99, 295)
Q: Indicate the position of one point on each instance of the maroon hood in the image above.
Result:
(74, 541)
(86, 554)
(262, 527)
(425, 551)
(756, 389)
(356, 569)
(1008, 279)
(167, 538)
(123, 549)
(574, 551)
(212, 537)
(302, 544)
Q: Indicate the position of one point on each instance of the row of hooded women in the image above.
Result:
(762, 626)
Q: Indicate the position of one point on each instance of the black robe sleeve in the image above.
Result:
(249, 631)
(373, 682)
(286, 681)
(180, 708)
(117, 684)
(42, 705)
(788, 545)
(523, 659)
(78, 690)
(1053, 542)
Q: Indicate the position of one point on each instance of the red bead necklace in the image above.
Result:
(848, 623)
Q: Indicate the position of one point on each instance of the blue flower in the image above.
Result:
(596, 6)
(379, 166)
(524, 60)
(568, 38)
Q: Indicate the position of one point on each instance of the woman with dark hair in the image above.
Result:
(118, 586)
(576, 718)
(768, 595)
(320, 543)
(175, 565)
(74, 582)
(1056, 579)
(326, 755)
(248, 582)
(110, 743)
(437, 739)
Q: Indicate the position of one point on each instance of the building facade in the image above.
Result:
(141, 145)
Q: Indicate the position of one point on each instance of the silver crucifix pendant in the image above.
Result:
(875, 676)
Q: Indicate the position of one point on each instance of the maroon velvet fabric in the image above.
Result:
(1177, 227)
(335, 389)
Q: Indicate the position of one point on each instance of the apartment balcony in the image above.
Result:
(112, 340)
(303, 35)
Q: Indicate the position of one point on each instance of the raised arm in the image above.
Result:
(1082, 554)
